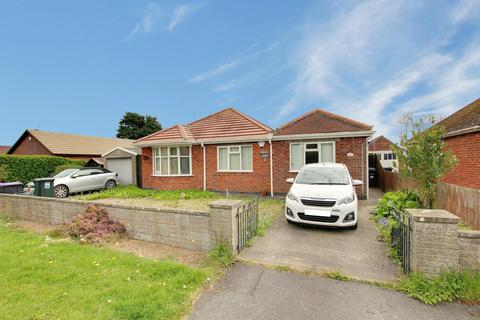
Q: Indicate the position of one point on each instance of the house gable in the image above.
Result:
(380, 144)
(320, 121)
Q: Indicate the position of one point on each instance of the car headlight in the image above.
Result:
(347, 199)
(293, 197)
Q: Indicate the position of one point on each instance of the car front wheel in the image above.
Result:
(61, 191)
(110, 184)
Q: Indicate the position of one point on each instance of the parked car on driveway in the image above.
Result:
(323, 194)
(79, 180)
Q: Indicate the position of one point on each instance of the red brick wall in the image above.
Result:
(380, 144)
(281, 161)
(467, 150)
(257, 181)
(31, 147)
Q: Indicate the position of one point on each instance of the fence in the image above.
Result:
(461, 201)
(247, 217)
(400, 237)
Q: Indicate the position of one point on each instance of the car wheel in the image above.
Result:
(60, 191)
(110, 184)
(354, 227)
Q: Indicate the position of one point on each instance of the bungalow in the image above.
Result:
(230, 151)
(382, 147)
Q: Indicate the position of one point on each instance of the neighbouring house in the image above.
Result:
(36, 142)
(4, 149)
(463, 139)
(382, 147)
(230, 151)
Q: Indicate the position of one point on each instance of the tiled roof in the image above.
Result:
(4, 149)
(227, 123)
(72, 144)
(320, 121)
(465, 118)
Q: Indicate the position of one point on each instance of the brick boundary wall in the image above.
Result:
(186, 229)
(437, 244)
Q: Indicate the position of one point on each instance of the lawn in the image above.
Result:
(269, 208)
(44, 278)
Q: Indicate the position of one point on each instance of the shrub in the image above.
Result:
(383, 213)
(93, 226)
(27, 168)
(62, 167)
(447, 287)
(3, 174)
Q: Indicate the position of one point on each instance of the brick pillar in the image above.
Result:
(223, 223)
(433, 241)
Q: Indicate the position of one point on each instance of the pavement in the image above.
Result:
(356, 253)
(257, 292)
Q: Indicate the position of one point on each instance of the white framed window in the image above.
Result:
(172, 161)
(303, 153)
(237, 158)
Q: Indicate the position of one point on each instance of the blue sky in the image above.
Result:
(77, 66)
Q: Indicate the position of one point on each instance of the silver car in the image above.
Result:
(84, 179)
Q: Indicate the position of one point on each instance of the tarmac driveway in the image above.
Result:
(356, 253)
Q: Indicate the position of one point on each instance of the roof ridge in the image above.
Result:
(303, 116)
(256, 122)
(344, 119)
(33, 131)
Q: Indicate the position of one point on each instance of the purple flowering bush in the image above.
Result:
(93, 226)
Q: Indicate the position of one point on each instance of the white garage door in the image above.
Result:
(122, 166)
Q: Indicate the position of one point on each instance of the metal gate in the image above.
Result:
(400, 237)
(247, 215)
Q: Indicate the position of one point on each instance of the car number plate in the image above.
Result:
(318, 213)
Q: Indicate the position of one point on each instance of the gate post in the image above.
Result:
(433, 241)
(223, 223)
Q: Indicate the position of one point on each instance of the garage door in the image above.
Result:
(122, 166)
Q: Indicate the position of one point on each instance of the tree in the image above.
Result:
(422, 155)
(135, 126)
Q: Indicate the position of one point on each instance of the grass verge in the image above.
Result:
(44, 278)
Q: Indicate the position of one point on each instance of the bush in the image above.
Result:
(93, 226)
(3, 174)
(27, 168)
(447, 287)
(62, 167)
(383, 213)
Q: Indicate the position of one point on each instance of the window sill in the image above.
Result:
(234, 171)
(172, 175)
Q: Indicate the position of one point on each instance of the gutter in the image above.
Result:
(204, 168)
(324, 135)
(271, 163)
(463, 131)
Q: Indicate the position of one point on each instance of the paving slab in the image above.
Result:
(356, 253)
(256, 292)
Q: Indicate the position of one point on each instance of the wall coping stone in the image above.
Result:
(472, 234)
(432, 216)
(225, 204)
(112, 205)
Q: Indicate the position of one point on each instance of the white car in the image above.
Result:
(323, 194)
(84, 179)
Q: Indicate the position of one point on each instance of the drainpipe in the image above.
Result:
(271, 163)
(363, 165)
(368, 172)
(204, 169)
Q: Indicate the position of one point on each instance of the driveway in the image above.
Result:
(356, 253)
(256, 292)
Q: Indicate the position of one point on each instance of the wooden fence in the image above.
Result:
(461, 201)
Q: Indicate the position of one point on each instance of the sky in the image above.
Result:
(78, 66)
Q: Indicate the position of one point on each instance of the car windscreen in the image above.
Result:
(323, 175)
(65, 173)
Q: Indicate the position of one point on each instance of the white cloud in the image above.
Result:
(180, 14)
(466, 10)
(223, 68)
(151, 16)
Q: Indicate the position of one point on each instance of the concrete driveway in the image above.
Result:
(356, 253)
(256, 292)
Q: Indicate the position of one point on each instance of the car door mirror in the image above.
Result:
(357, 182)
(290, 180)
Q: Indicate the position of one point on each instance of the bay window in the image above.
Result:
(235, 158)
(303, 153)
(172, 161)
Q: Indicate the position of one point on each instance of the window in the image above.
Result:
(172, 161)
(235, 158)
(311, 152)
(389, 156)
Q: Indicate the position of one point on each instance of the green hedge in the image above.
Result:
(27, 168)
